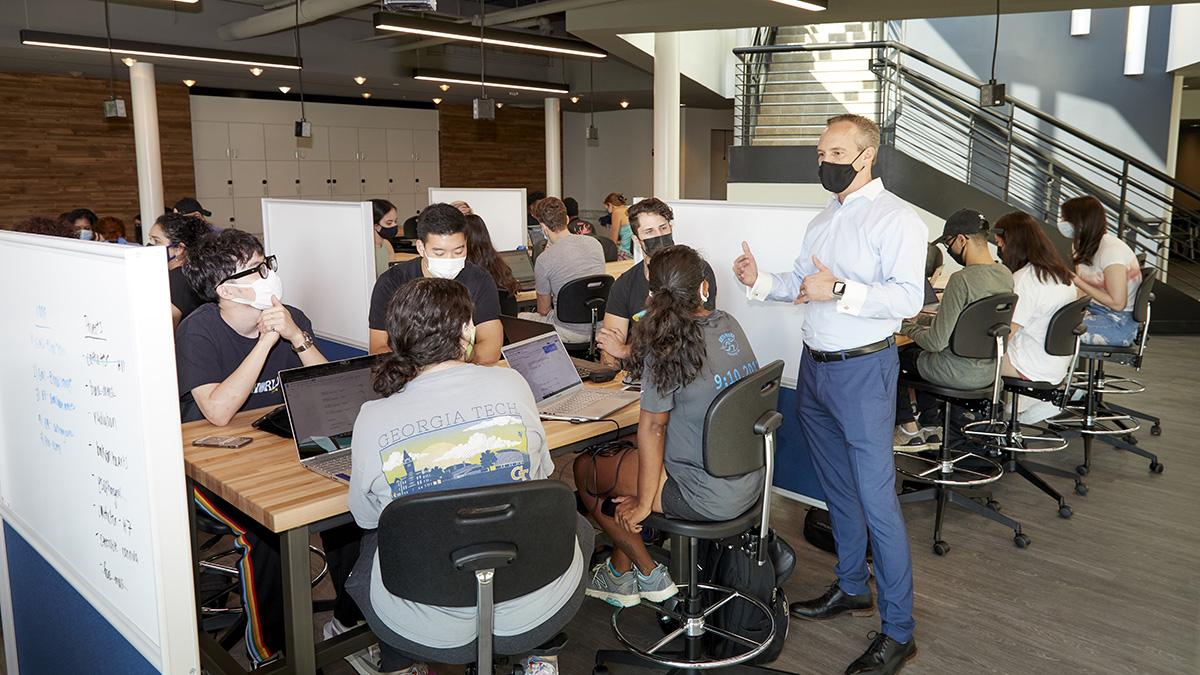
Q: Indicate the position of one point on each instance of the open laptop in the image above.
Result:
(322, 403)
(543, 362)
(522, 267)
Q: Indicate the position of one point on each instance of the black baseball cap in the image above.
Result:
(964, 221)
(190, 205)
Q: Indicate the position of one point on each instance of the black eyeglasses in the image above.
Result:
(261, 269)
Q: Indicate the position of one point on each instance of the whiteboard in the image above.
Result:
(326, 257)
(503, 209)
(91, 459)
(716, 229)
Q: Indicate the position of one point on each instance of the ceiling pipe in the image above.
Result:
(509, 16)
(285, 18)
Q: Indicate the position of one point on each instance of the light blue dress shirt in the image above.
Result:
(874, 242)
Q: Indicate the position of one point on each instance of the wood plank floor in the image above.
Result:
(1115, 589)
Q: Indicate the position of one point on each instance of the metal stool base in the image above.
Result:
(945, 469)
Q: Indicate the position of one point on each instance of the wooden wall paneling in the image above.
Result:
(507, 153)
(58, 152)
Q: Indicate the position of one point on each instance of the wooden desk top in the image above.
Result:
(266, 481)
(400, 256)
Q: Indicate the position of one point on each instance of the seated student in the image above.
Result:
(188, 206)
(567, 257)
(84, 221)
(110, 229)
(650, 220)
(384, 215)
(1106, 269)
(229, 353)
(442, 244)
(179, 234)
(462, 206)
(965, 236)
(577, 225)
(1043, 286)
(535, 233)
(682, 350)
(427, 376)
(619, 229)
(482, 253)
(933, 270)
(50, 227)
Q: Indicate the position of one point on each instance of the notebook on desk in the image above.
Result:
(322, 402)
(552, 376)
(522, 267)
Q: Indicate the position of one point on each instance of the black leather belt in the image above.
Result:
(846, 354)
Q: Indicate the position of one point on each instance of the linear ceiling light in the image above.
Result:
(415, 25)
(810, 5)
(35, 38)
(494, 82)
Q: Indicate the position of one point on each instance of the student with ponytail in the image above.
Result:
(445, 424)
(687, 354)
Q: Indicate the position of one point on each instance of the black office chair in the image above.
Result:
(1016, 440)
(583, 301)
(979, 333)
(1093, 417)
(476, 547)
(609, 246)
(739, 438)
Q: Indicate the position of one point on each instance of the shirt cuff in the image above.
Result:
(853, 299)
(761, 288)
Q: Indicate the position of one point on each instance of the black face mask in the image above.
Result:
(649, 246)
(956, 257)
(837, 177)
(388, 232)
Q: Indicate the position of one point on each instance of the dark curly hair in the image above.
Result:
(215, 257)
(75, 214)
(669, 337)
(425, 320)
(51, 227)
(652, 205)
(481, 252)
(552, 213)
(183, 230)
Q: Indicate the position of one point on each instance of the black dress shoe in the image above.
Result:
(832, 603)
(885, 656)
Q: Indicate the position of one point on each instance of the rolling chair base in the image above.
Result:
(943, 495)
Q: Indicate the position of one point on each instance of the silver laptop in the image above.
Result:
(522, 267)
(322, 403)
(544, 363)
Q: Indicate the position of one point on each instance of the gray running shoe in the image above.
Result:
(617, 590)
(656, 586)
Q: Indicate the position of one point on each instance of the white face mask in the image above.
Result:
(263, 290)
(446, 268)
(1066, 229)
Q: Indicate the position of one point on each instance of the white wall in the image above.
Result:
(705, 56)
(1184, 49)
(1191, 104)
(696, 154)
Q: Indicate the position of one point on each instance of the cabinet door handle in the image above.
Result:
(363, 181)
(229, 182)
(327, 181)
(391, 181)
(335, 181)
(297, 181)
(264, 181)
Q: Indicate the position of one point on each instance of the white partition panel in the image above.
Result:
(503, 209)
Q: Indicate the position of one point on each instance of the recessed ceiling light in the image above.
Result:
(284, 88)
(436, 101)
(359, 79)
(624, 104)
(444, 87)
(810, 5)
(189, 83)
(499, 104)
(414, 25)
(129, 61)
(256, 71)
(574, 99)
(366, 94)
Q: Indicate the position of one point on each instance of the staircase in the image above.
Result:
(942, 151)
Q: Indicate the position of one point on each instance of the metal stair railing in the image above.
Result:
(751, 75)
(1016, 153)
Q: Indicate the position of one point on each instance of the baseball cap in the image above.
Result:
(190, 205)
(964, 221)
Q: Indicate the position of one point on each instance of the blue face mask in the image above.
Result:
(87, 235)
(1066, 229)
(170, 256)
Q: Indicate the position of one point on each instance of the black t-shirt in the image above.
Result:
(208, 350)
(182, 294)
(627, 298)
(478, 282)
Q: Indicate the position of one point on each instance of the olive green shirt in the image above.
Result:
(937, 363)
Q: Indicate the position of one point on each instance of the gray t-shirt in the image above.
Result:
(573, 257)
(728, 358)
(465, 426)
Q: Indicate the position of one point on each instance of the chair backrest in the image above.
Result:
(583, 299)
(1145, 293)
(409, 228)
(980, 323)
(1065, 327)
(731, 445)
(610, 248)
(431, 543)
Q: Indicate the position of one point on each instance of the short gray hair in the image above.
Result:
(868, 130)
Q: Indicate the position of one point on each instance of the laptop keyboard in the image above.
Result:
(332, 464)
(576, 402)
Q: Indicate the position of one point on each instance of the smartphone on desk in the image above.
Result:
(222, 441)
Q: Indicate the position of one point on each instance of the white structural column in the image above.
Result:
(553, 148)
(146, 143)
(666, 115)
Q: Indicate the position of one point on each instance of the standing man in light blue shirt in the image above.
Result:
(859, 273)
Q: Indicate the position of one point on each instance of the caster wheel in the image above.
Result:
(1082, 470)
(600, 670)
(941, 548)
(1130, 439)
(1156, 430)
(1156, 467)
(471, 670)
(1081, 489)
(1021, 541)
(993, 505)
(1065, 511)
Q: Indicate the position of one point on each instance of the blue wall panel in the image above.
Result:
(794, 469)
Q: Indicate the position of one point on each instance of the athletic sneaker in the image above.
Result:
(334, 628)
(540, 665)
(365, 663)
(618, 590)
(656, 586)
(904, 440)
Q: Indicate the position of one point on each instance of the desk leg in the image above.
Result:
(297, 602)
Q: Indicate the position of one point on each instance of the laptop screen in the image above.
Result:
(323, 401)
(545, 365)
(519, 263)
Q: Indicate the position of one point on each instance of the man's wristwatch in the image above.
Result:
(839, 289)
(304, 346)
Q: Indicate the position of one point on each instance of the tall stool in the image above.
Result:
(979, 333)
